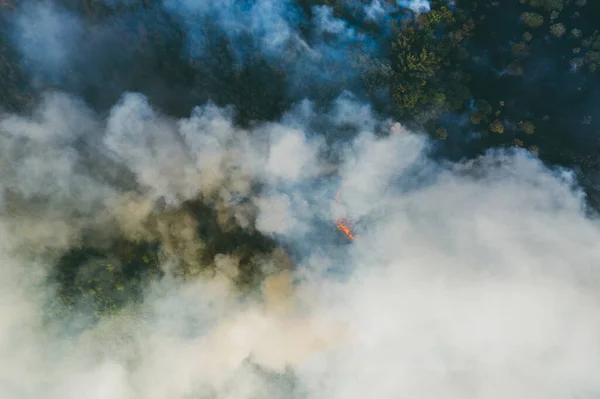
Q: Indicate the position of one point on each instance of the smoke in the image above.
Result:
(278, 52)
(415, 5)
(152, 256)
(47, 38)
(474, 279)
(271, 24)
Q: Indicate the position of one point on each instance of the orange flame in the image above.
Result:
(342, 224)
(337, 196)
(344, 228)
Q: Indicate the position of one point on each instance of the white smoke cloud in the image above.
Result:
(468, 280)
(310, 50)
(415, 5)
(375, 10)
(272, 24)
(47, 37)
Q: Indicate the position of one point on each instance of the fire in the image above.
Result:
(337, 196)
(345, 228)
(342, 224)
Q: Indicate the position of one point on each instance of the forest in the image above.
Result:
(471, 74)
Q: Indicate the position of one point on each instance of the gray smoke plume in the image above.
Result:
(467, 280)
(184, 53)
(149, 256)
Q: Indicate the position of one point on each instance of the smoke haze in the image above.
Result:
(471, 279)
(474, 279)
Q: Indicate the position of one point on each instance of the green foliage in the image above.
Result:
(519, 49)
(441, 133)
(497, 127)
(482, 111)
(483, 106)
(104, 279)
(576, 63)
(426, 55)
(551, 5)
(376, 74)
(477, 117)
(558, 30)
(527, 127)
(532, 19)
(592, 57)
(548, 5)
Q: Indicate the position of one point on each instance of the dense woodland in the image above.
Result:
(473, 74)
